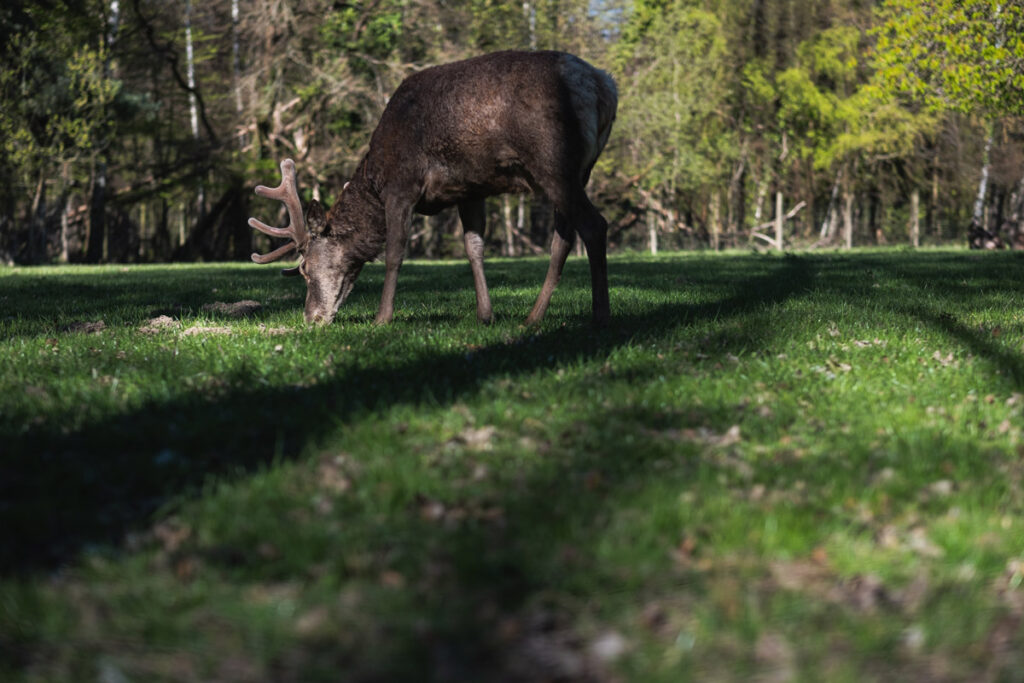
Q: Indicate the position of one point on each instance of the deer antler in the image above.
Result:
(288, 193)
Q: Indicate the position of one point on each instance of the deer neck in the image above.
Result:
(357, 218)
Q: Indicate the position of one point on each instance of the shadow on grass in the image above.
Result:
(110, 476)
(63, 492)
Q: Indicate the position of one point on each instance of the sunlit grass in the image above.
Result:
(807, 465)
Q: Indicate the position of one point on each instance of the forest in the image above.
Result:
(135, 130)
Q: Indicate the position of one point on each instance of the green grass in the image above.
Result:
(803, 467)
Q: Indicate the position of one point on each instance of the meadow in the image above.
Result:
(798, 467)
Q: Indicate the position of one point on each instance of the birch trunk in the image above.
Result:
(530, 12)
(652, 232)
(915, 220)
(762, 192)
(848, 218)
(933, 203)
(236, 68)
(716, 219)
(829, 224)
(190, 70)
(778, 221)
(510, 241)
(35, 222)
(979, 201)
(193, 105)
(65, 216)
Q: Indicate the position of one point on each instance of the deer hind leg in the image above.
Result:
(474, 217)
(593, 229)
(576, 214)
(561, 244)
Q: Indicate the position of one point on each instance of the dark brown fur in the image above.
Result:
(453, 135)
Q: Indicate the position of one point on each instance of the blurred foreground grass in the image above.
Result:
(790, 467)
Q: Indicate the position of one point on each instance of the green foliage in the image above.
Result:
(671, 60)
(57, 96)
(876, 125)
(965, 55)
(358, 29)
(720, 103)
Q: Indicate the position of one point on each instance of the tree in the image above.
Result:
(965, 56)
(56, 115)
(671, 68)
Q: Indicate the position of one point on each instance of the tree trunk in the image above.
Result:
(652, 231)
(829, 224)
(736, 197)
(530, 13)
(190, 71)
(915, 222)
(236, 68)
(65, 216)
(933, 202)
(96, 232)
(1013, 230)
(977, 218)
(715, 219)
(762, 192)
(193, 105)
(506, 212)
(848, 218)
(778, 221)
(36, 221)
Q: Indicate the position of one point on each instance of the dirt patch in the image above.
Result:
(86, 327)
(239, 309)
(196, 329)
(159, 324)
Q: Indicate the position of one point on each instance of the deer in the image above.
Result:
(454, 135)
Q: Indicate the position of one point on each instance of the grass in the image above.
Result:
(801, 467)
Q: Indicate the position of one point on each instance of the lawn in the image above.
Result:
(785, 467)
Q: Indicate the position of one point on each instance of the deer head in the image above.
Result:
(323, 259)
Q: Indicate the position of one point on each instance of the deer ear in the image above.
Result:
(316, 219)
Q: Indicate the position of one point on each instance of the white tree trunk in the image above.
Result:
(979, 201)
(510, 242)
(236, 62)
(236, 69)
(716, 219)
(828, 226)
(652, 232)
(521, 215)
(915, 218)
(848, 218)
(778, 221)
(193, 105)
(530, 12)
(190, 70)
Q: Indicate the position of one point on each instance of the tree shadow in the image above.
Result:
(63, 492)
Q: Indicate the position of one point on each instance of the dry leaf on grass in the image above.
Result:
(476, 439)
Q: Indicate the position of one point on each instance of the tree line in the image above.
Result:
(135, 130)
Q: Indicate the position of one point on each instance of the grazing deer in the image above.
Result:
(455, 135)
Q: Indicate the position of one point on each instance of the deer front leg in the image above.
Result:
(397, 217)
(474, 218)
